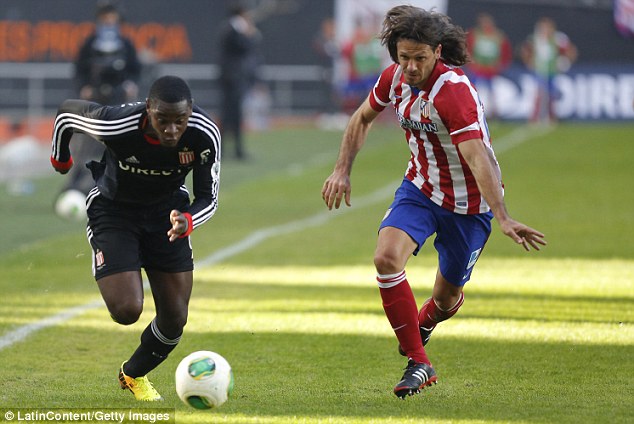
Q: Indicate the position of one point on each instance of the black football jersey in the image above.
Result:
(135, 168)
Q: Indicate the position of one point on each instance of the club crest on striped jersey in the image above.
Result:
(186, 156)
(425, 110)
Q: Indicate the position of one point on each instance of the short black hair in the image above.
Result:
(106, 7)
(170, 89)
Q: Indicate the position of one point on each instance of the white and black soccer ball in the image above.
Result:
(204, 380)
(71, 204)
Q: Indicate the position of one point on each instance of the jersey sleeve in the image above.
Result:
(205, 175)
(456, 103)
(380, 96)
(67, 122)
(98, 121)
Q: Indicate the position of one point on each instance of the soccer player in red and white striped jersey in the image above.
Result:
(452, 185)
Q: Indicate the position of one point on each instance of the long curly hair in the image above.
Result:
(427, 27)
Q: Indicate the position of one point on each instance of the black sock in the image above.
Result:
(153, 350)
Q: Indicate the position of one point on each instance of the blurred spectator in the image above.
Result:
(547, 52)
(239, 61)
(491, 53)
(364, 56)
(327, 49)
(107, 71)
(19, 158)
(257, 106)
(624, 17)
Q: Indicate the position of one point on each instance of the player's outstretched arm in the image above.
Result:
(337, 186)
(491, 189)
(71, 117)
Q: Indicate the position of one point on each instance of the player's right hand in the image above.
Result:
(336, 187)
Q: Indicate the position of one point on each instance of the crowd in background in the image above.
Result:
(545, 52)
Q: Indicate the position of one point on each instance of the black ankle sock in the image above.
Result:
(153, 350)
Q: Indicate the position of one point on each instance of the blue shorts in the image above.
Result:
(459, 238)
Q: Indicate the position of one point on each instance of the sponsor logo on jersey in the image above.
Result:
(144, 171)
(186, 156)
(417, 125)
(132, 159)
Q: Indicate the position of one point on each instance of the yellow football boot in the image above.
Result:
(140, 387)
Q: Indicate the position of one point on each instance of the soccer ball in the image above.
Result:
(71, 204)
(204, 380)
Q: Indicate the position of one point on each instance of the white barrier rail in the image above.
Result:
(37, 88)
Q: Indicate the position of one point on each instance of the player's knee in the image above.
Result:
(126, 313)
(179, 322)
(387, 263)
(173, 325)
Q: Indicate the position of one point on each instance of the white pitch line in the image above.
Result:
(259, 236)
(519, 135)
(513, 139)
(24, 331)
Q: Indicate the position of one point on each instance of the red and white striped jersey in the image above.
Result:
(436, 119)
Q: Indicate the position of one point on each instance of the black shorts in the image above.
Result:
(126, 237)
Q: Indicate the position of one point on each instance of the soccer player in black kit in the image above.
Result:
(139, 212)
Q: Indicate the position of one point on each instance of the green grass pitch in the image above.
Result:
(285, 290)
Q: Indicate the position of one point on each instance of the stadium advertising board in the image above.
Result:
(584, 93)
(59, 41)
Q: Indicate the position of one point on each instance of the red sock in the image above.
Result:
(400, 307)
(430, 314)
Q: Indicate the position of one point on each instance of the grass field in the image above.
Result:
(285, 291)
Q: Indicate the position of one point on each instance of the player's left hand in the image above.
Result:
(336, 188)
(523, 234)
(179, 223)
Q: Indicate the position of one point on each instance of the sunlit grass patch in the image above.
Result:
(507, 299)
